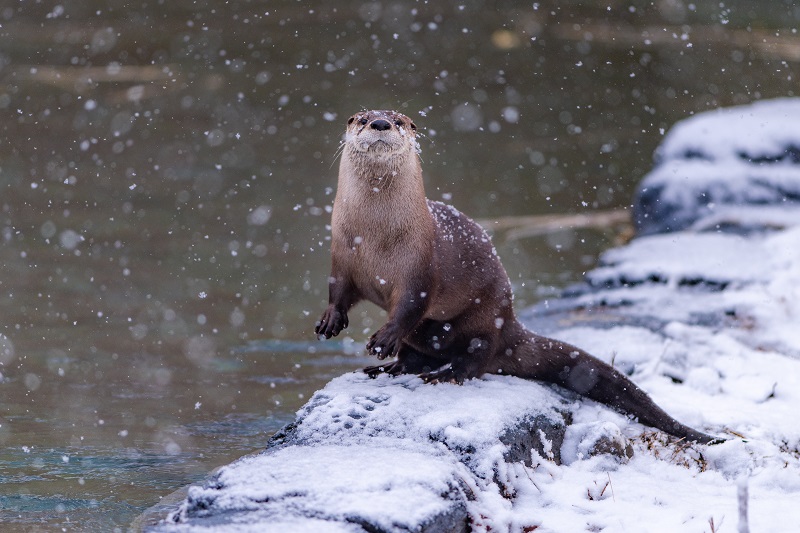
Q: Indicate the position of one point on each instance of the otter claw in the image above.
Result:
(331, 323)
(445, 374)
(393, 369)
(383, 343)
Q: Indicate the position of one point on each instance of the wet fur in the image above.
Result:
(438, 276)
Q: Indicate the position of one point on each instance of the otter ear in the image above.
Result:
(413, 126)
(350, 120)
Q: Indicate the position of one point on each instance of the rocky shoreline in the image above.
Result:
(700, 310)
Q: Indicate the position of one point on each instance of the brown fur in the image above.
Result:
(438, 276)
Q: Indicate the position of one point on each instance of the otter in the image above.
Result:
(437, 274)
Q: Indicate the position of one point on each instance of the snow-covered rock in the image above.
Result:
(704, 318)
(390, 454)
(738, 156)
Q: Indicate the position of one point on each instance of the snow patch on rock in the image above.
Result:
(739, 156)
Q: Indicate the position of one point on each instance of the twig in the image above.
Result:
(525, 469)
(602, 491)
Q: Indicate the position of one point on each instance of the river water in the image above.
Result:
(166, 176)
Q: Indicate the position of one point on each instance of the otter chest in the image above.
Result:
(377, 267)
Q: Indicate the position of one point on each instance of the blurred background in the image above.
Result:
(167, 170)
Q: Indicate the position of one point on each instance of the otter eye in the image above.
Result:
(363, 121)
(399, 123)
(413, 126)
(350, 120)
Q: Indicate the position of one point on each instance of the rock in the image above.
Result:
(614, 444)
(543, 435)
(712, 164)
(388, 454)
(591, 439)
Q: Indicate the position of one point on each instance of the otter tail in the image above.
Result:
(540, 358)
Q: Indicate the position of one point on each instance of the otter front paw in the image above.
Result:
(384, 342)
(332, 322)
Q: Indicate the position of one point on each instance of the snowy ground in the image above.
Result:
(705, 320)
(725, 360)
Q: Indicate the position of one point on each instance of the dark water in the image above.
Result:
(167, 168)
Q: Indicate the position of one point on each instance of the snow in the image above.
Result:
(739, 375)
(385, 450)
(760, 274)
(352, 472)
(746, 155)
(704, 321)
(714, 257)
(760, 130)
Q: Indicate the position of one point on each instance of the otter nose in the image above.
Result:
(380, 125)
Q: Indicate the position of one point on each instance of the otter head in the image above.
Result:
(381, 134)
